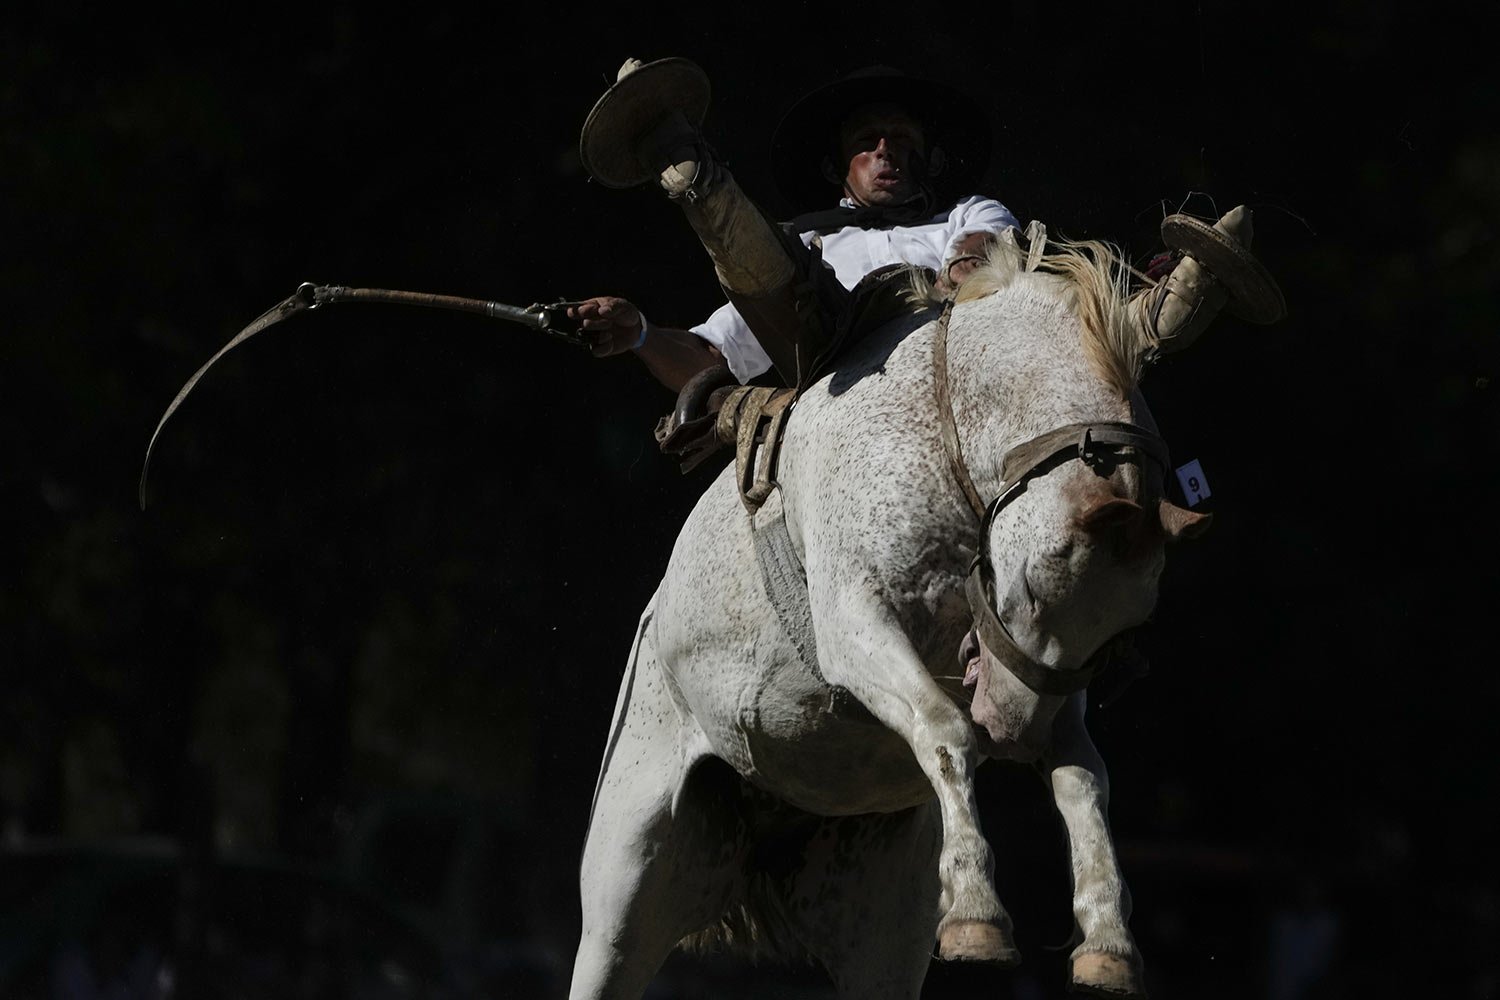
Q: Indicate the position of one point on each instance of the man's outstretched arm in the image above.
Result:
(615, 326)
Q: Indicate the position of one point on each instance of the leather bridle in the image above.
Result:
(1094, 444)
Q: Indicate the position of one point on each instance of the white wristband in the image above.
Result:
(641, 340)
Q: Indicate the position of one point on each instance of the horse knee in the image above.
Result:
(949, 747)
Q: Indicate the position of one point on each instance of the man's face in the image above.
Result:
(886, 153)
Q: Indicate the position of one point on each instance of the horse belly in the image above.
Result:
(736, 674)
(793, 735)
(828, 755)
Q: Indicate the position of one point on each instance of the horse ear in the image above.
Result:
(1178, 523)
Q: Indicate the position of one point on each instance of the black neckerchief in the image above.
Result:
(915, 212)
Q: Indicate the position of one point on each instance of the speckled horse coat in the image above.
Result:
(831, 812)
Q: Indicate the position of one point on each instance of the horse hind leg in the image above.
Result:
(865, 902)
(659, 858)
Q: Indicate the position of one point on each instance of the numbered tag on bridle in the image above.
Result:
(1194, 483)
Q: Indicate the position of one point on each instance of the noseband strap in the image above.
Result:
(1088, 443)
(995, 637)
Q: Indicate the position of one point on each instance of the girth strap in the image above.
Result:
(785, 580)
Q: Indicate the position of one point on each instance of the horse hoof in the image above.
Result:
(977, 941)
(1104, 975)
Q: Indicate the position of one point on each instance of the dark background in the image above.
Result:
(328, 714)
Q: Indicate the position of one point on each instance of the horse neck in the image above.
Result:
(1018, 368)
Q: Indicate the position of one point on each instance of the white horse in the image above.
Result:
(813, 794)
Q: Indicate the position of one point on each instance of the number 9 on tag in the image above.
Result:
(1194, 483)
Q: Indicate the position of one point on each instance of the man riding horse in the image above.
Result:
(903, 152)
(790, 765)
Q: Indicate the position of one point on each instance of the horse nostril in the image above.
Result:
(968, 649)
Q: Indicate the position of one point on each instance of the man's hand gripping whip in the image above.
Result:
(552, 319)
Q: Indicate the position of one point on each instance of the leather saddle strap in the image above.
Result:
(756, 415)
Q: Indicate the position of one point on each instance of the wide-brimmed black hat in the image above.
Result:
(953, 122)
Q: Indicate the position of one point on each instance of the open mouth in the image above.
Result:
(969, 654)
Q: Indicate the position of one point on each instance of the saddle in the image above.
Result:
(714, 409)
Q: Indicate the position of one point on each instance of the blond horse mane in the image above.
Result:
(1095, 277)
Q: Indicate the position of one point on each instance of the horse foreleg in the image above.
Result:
(656, 863)
(870, 655)
(1107, 962)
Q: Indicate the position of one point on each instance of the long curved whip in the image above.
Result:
(551, 319)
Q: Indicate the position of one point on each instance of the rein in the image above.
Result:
(1090, 443)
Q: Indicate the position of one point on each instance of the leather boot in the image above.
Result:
(749, 255)
(1216, 270)
(647, 122)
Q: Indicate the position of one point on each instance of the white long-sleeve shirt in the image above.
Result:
(853, 253)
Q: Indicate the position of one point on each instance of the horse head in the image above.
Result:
(1073, 542)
